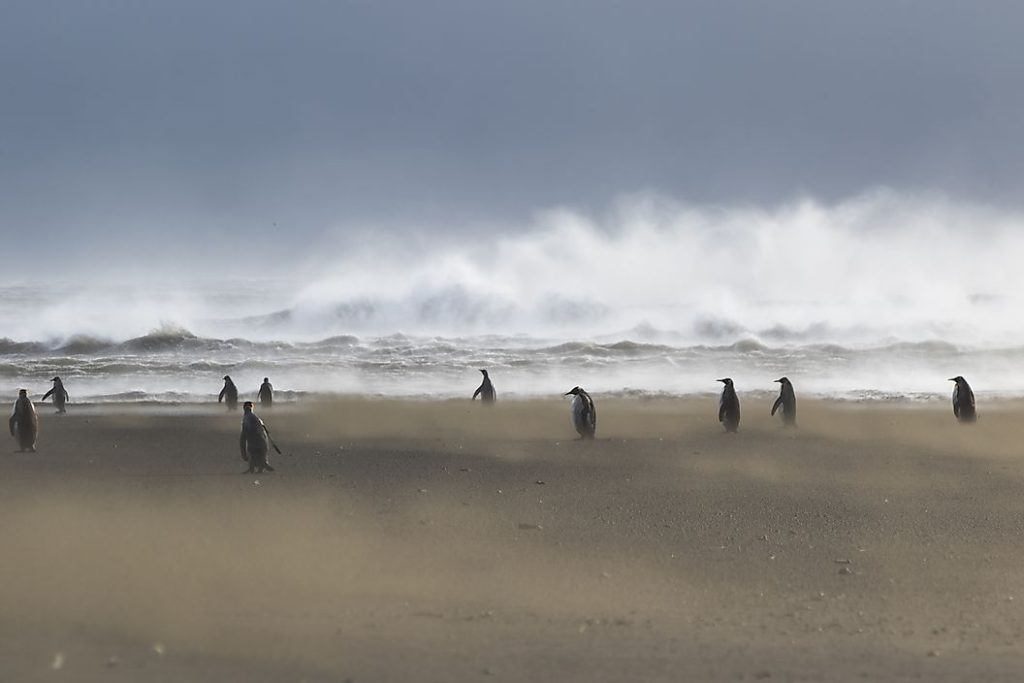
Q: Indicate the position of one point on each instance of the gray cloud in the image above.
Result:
(123, 122)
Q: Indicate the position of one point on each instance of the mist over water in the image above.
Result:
(879, 295)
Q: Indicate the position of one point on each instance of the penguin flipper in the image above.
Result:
(271, 439)
(47, 395)
(721, 411)
(778, 402)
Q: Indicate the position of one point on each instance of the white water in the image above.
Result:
(881, 293)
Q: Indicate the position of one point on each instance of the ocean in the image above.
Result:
(877, 297)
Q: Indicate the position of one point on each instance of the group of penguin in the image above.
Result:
(24, 423)
(584, 415)
(255, 441)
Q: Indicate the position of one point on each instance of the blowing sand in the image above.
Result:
(446, 541)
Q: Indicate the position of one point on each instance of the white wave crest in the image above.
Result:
(878, 268)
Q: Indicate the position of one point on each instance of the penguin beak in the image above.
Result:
(951, 379)
(720, 380)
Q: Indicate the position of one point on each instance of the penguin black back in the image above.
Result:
(486, 390)
(254, 441)
(59, 393)
(229, 394)
(584, 414)
(729, 406)
(24, 423)
(266, 393)
(786, 401)
(963, 401)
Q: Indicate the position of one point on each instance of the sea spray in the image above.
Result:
(873, 296)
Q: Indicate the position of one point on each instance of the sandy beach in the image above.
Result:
(445, 541)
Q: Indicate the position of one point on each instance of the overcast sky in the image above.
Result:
(122, 121)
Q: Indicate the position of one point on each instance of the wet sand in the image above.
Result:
(445, 541)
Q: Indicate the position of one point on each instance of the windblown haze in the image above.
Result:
(785, 175)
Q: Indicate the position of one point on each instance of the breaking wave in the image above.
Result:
(881, 293)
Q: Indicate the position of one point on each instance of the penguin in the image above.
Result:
(486, 390)
(60, 395)
(24, 422)
(786, 401)
(229, 394)
(963, 401)
(584, 414)
(254, 442)
(266, 393)
(729, 406)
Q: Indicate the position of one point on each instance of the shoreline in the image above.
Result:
(867, 397)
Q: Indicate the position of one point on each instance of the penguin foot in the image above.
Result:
(268, 468)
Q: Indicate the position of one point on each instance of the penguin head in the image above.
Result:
(727, 381)
(783, 380)
(55, 379)
(484, 372)
(266, 379)
(575, 391)
(227, 378)
(23, 393)
(956, 379)
(247, 406)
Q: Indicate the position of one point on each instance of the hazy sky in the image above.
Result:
(124, 122)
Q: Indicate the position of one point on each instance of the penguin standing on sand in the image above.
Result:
(255, 442)
(963, 401)
(729, 406)
(24, 422)
(229, 394)
(786, 401)
(60, 395)
(584, 415)
(486, 390)
(266, 393)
